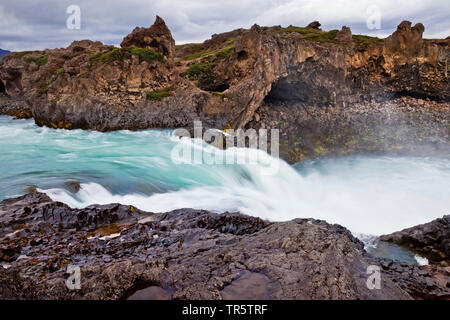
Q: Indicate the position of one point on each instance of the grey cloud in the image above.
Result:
(27, 24)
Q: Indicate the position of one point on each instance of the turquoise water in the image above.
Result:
(367, 194)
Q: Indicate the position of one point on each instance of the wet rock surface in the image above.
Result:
(124, 252)
(431, 240)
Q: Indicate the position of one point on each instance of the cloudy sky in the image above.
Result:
(31, 24)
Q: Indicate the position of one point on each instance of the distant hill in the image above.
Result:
(3, 52)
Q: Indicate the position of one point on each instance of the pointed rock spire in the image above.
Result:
(158, 37)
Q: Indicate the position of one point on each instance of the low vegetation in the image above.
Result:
(40, 61)
(159, 94)
(223, 51)
(22, 54)
(308, 34)
(315, 35)
(120, 54)
(197, 69)
(362, 41)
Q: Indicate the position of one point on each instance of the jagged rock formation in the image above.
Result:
(431, 239)
(157, 37)
(190, 254)
(328, 92)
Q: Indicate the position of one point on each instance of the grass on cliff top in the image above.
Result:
(197, 69)
(223, 51)
(40, 61)
(362, 41)
(159, 94)
(308, 34)
(120, 54)
(22, 54)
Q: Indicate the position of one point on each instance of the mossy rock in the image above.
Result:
(120, 54)
(159, 94)
(40, 61)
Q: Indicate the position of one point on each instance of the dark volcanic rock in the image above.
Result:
(430, 239)
(314, 25)
(184, 254)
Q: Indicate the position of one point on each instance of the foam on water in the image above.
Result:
(367, 194)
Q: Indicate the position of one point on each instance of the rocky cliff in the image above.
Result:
(327, 91)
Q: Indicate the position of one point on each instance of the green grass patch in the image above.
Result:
(120, 54)
(362, 41)
(59, 71)
(327, 36)
(159, 94)
(308, 34)
(22, 54)
(197, 69)
(223, 95)
(40, 61)
(223, 51)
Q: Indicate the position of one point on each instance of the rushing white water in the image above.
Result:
(367, 194)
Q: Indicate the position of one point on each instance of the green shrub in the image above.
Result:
(159, 94)
(59, 71)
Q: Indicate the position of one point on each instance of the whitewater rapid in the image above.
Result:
(368, 194)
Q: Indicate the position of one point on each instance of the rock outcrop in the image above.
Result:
(188, 254)
(158, 37)
(329, 92)
(345, 35)
(431, 240)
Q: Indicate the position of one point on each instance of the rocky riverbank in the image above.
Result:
(191, 254)
(329, 92)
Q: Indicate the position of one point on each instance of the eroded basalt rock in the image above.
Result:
(326, 95)
(431, 240)
(158, 37)
(185, 254)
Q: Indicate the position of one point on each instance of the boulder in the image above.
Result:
(314, 25)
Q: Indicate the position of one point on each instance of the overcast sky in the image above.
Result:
(31, 24)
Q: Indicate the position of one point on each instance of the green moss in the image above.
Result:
(40, 61)
(84, 74)
(159, 94)
(148, 55)
(43, 88)
(22, 54)
(59, 71)
(327, 36)
(196, 70)
(120, 54)
(223, 51)
(362, 41)
(223, 95)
